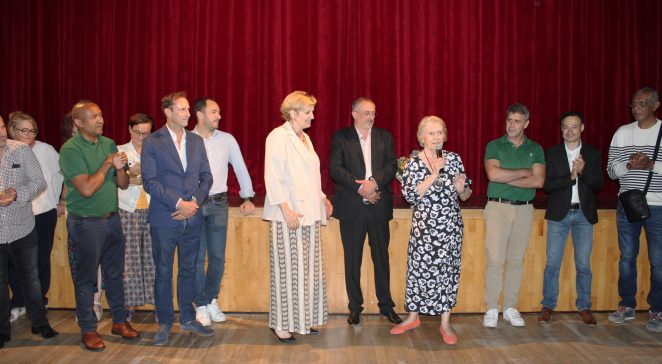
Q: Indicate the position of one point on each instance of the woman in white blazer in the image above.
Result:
(295, 207)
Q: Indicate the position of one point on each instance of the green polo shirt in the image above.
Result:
(511, 157)
(79, 156)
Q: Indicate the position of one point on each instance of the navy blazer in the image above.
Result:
(166, 181)
(559, 184)
(347, 165)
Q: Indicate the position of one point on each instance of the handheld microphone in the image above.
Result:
(440, 152)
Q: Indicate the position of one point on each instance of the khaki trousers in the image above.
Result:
(507, 237)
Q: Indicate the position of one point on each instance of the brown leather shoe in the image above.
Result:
(92, 341)
(545, 315)
(587, 317)
(125, 330)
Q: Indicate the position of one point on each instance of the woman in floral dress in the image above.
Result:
(433, 183)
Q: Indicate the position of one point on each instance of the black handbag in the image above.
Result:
(634, 201)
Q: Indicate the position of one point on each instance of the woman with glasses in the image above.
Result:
(433, 183)
(23, 128)
(133, 206)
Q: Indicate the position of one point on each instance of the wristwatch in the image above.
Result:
(247, 199)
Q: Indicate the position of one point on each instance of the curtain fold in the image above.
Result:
(464, 61)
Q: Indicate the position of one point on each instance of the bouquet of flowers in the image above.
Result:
(402, 166)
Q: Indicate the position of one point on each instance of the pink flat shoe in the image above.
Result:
(401, 329)
(448, 338)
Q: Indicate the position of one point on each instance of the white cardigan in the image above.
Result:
(292, 175)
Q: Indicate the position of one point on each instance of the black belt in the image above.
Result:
(510, 202)
(218, 197)
(574, 206)
(107, 215)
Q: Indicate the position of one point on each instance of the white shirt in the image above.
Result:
(222, 149)
(366, 148)
(572, 155)
(181, 149)
(50, 167)
(128, 198)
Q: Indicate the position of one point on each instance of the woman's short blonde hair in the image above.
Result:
(16, 117)
(297, 100)
(424, 123)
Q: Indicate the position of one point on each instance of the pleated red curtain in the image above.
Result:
(465, 61)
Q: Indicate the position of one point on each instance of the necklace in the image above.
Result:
(428, 159)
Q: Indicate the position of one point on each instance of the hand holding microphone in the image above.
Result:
(440, 163)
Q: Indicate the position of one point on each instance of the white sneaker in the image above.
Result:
(514, 317)
(215, 313)
(202, 316)
(98, 310)
(15, 313)
(491, 318)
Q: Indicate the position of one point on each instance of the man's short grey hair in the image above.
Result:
(355, 103)
(655, 97)
(518, 108)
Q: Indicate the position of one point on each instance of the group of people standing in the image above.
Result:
(130, 206)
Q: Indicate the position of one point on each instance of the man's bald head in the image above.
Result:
(81, 109)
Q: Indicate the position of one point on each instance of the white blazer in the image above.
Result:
(127, 199)
(292, 175)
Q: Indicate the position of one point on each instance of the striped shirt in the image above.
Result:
(19, 169)
(628, 139)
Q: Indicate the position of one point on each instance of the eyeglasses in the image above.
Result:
(640, 103)
(141, 135)
(27, 131)
(368, 113)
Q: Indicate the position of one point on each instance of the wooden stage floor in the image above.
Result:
(244, 338)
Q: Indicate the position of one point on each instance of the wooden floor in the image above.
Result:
(244, 338)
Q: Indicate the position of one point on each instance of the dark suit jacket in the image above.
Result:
(559, 184)
(347, 166)
(166, 181)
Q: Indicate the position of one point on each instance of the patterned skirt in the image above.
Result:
(138, 259)
(298, 289)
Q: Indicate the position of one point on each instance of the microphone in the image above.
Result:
(440, 153)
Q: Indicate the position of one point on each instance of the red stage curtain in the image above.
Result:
(465, 61)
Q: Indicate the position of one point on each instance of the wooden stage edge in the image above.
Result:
(245, 286)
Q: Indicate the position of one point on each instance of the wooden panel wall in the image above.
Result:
(245, 286)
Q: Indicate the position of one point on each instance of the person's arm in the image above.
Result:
(503, 175)
(537, 180)
(88, 184)
(151, 182)
(617, 159)
(339, 173)
(386, 173)
(592, 173)
(36, 183)
(121, 178)
(554, 178)
(241, 171)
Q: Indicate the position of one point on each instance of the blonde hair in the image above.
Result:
(18, 116)
(296, 101)
(424, 123)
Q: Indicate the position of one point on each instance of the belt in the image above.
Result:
(574, 206)
(218, 197)
(510, 202)
(107, 215)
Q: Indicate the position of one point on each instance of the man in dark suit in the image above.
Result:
(363, 164)
(176, 174)
(573, 177)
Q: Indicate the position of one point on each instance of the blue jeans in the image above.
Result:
(95, 241)
(23, 252)
(582, 240)
(628, 243)
(186, 239)
(212, 245)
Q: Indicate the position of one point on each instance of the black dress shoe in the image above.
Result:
(313, 332)
(3, 339)
(290, 339)
(45, 331)
(354, 318)
(392, 316)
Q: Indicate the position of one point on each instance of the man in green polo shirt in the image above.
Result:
(93, 170)
(515, 167)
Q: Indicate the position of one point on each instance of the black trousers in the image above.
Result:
(23, 252)
(353, 234)
(45, 226)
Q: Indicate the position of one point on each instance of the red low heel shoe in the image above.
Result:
(448, 338)
(401, 329)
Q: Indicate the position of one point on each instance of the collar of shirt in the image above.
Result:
(173, 135)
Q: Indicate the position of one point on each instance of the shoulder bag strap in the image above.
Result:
(657, 149)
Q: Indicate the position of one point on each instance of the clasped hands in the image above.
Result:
(640, 160)
(185, 210)
(368, 190)
(577, 167)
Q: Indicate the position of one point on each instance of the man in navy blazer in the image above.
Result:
(363, 164)
(574, 175)
(176, 174)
